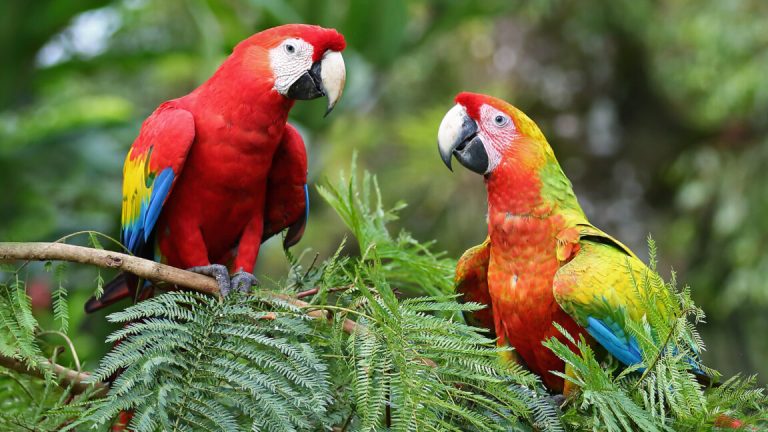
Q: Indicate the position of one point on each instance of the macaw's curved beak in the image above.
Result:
(325, 78)
(458, 137)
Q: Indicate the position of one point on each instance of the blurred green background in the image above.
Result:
(658, 111)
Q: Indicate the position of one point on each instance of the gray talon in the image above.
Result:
(218, 272)
(557, 400)
(243, 281)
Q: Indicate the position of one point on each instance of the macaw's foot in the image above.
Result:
(557, 400)
(218, 272)
(243, 281)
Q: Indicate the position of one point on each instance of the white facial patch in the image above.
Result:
(497, 136)
(289, 61)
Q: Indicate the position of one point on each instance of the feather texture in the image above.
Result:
(548, 269)
(153, 164)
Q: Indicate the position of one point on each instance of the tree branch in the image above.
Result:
(313, 291)
(141, 267)
(67, 376)
(156, 272)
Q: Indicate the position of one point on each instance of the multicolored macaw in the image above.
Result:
(542, 262)
(215, 173)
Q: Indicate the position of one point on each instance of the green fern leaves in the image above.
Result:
(413, 370)
(192, 362)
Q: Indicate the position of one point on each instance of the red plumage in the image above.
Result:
(521, 270)
(240, 122)
(238, 169)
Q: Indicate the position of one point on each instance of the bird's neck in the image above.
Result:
(515, 190)
(244, 92)
(530, 185)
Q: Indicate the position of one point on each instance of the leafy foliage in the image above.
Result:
(192, 362)
(393, 354)
(32, 404)
(28, 402)
(409, 264)
(17, 338)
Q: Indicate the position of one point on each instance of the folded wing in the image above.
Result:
(287, 202)
(151, 169)
(472, 281)
(602, 284)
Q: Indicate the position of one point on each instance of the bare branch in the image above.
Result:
(141, 267)
(67, 376)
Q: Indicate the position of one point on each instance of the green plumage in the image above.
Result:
(602, 280)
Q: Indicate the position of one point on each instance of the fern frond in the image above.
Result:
(193, 362)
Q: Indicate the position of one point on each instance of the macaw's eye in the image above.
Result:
(290, 48)
(500, 120)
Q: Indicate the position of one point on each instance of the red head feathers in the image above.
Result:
(322, 39)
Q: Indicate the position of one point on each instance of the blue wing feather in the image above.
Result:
(615, 340)
(163, 183)
(138, 232)
(624, 347)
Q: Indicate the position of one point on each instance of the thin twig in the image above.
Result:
(313, 291)
(321, 312)
(75, 234)
(69, 343)
(19, 383)
(347, 421)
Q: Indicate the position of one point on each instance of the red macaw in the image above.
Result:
(215, 173)
(542, 262)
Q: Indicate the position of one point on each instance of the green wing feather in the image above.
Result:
(604, 283)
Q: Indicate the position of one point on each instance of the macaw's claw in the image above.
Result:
(557, 401)
(218, 272)
(243, 281)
